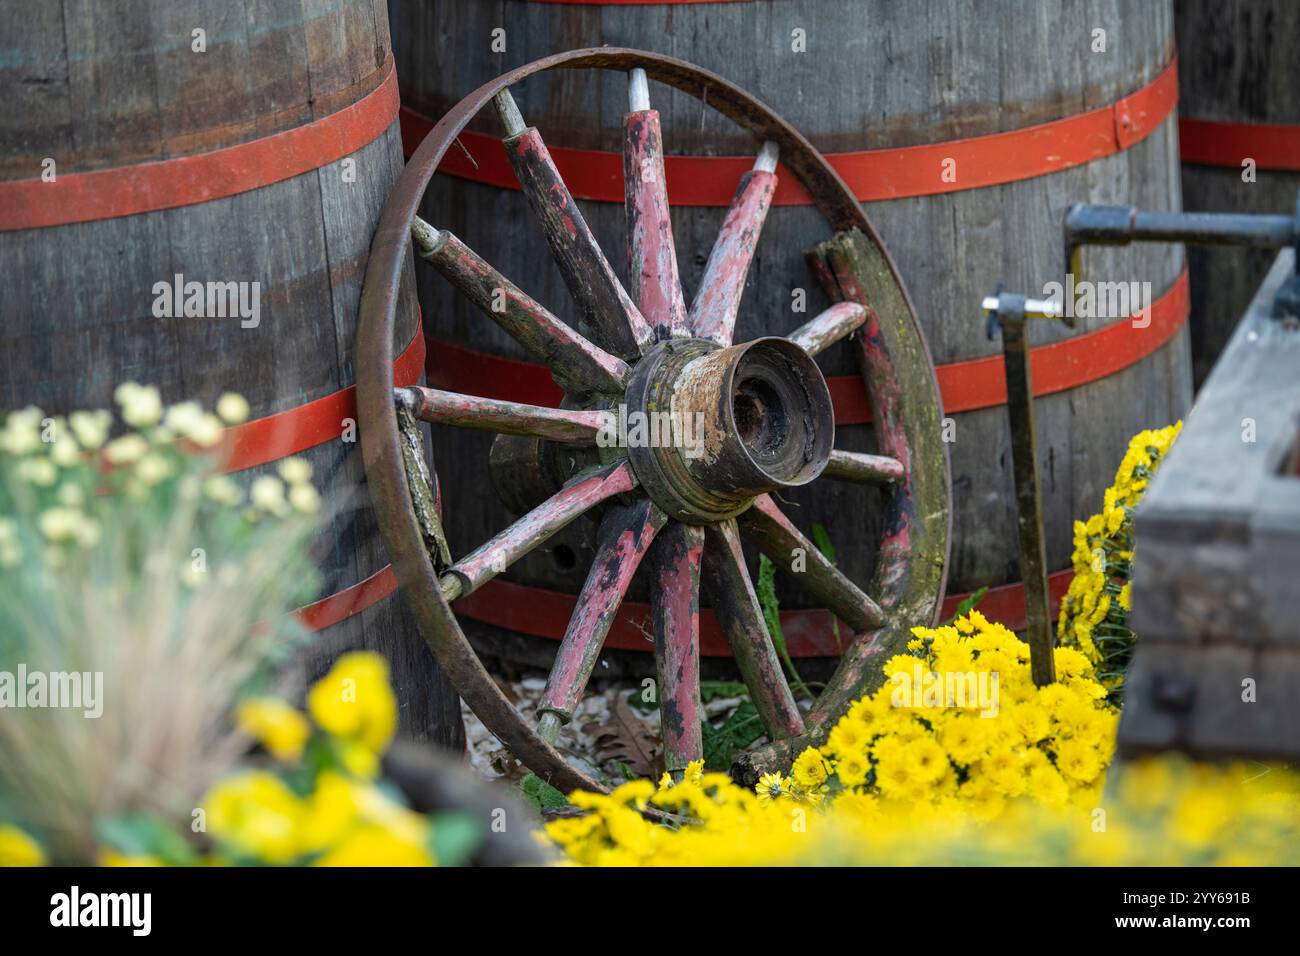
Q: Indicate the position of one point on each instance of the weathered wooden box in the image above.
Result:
(1216, 589)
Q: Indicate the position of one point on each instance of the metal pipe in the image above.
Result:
(1009, 311)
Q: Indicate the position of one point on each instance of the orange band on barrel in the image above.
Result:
(339, 607)
(963, 386)
(203, 177)
(873, 174)
(305, 426)
(288, 432)
(1215, 143)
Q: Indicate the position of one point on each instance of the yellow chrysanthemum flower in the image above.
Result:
(256, 814)
(810, 770)
(281, 729)
(19, 849)
(354, 700)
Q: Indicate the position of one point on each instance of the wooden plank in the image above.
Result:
(1220, 525)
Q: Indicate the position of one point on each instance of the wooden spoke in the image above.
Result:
(865, 469)
(505, 418)
(625, 534)
(675, 609)
(592, 283)
(535, 528)
(840, 320)
(736, 605)
(713, 313)
(577, 363)
(789, 550)
(652, 258)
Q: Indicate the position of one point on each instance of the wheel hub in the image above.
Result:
(720, 426)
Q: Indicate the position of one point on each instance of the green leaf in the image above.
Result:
(146, 835)
(767, 599)
(540, 795)
(737, 732)
(713, 689)
(455, 837)
(966, 606)
(823, 541)
(636, 700)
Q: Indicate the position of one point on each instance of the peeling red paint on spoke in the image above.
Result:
(575, 361)
(675, 611)
(625, 535)
(505, 418)
(713, 313)
(592, 283)
(535, 528)
(887, 420)
(736, 605)
(824, 330)
(778, 538)
(652, 258)
(863, 468)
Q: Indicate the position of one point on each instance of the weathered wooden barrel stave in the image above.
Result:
(1238, 74)
(266, 158)
(870, 80)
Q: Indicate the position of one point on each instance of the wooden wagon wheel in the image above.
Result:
(768, 425)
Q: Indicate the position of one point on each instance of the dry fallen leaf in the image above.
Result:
(627, 738)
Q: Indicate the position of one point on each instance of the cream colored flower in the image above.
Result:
(153, 468)
(207, 431)
(189, 420)
(38, 471)
(223, 490)
(91, 428)
(64, 451)
(59, 523)
(295, 470)
(126, 450)
(267, 493)
(232, 408)
(183, 416)
(304, 498)
(22, 431)
(141, 404)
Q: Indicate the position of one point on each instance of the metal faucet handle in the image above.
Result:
(1013, 307)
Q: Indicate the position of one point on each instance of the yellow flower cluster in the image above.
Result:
(705, 818)
(959, 730)
(342, 822)
(960, 721)
(1162, 811)
(1094, 612)
(345, 819)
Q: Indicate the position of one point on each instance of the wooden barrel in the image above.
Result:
(151, 144)
(1239, 127)
(967, 133)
